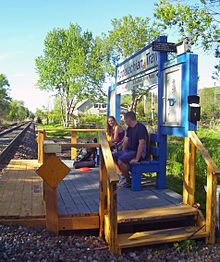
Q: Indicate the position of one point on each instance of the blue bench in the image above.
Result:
(151, 164)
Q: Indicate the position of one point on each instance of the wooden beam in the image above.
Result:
(204, 152)
(40, 139)
(211, 205)
(79, 145)
(78, 222)
(25, 221)
(112, 214)
(76, 129)
(186, 170)
(51, 209)
(160, 236)
(107, 155)
(102, 193)
(192, 169)
(156, 214)
(73, 141)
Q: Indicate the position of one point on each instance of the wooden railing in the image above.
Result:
(53, 170)
(108, 195)
(108, 182)
(109, 179)
(191, 143)
(42, 136)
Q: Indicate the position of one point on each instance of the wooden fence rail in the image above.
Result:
(42, 135)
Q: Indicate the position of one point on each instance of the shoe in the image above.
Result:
(124, 182)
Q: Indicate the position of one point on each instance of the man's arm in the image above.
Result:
(139, 151)
(125, 143)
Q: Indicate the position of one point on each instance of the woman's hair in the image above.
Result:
(110, 129)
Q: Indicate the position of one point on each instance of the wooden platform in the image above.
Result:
(21, 202)
(79, 193)
(21, 194)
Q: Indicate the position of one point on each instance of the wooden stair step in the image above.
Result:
(160, 236)
(156, 214)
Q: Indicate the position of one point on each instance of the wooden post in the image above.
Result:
(102, 193)
(41, 136)
(112, 213)
(52, 171)
(186, 170)
(52, 221)
(192, 169)
(50, 198)
(189, 172)
(73, 140)
(211, 205)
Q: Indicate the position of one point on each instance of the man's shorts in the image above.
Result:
(125, 156)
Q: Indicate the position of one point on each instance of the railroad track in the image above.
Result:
(9, 137)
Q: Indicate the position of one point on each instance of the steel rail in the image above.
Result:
(10, 137)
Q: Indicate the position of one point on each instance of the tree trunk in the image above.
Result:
(61, 109)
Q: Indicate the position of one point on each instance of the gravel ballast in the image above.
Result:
(20, 243)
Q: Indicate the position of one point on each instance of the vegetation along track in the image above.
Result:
(10, 137)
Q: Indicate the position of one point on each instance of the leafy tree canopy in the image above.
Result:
(4, 97)
(18, 111)
(128, 36)
(4, 88)
(199, 22)
(74, 65)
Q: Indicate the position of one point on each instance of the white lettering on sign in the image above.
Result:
(137, 64)
(144, 81)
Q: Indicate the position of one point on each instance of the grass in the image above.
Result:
(175, 166)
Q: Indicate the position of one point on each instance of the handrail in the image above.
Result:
(108, 180)
(108, 194)
(204, 152)
(78, 145)
(73, 129)
(192, 142)
(42, 135)
(107, 154)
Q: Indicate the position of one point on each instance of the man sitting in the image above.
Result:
(134, 148)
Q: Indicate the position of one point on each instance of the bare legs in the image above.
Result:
(122, 168)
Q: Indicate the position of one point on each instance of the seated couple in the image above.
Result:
(134, 148)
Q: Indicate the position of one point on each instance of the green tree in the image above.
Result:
(199, 22)
(210, 103)
(128, 36)
(39, 115)
(73, 66)
(18, 111)
(4, 97)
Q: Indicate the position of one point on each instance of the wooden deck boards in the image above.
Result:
(83, 188)
(21, 190)
(21, 193)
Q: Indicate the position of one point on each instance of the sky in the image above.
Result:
(24, 25)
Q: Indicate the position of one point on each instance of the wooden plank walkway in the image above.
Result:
(21, 193)
(81, 191)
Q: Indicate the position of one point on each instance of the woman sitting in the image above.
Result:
(115, 132)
